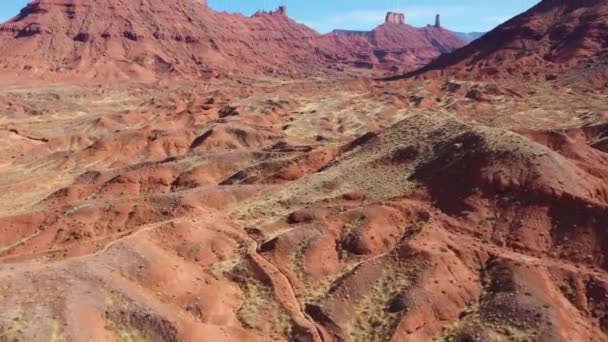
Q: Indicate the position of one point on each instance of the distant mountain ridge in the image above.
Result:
(468, 37)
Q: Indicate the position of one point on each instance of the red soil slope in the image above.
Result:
(555, 35)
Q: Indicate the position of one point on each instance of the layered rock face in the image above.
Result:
(395, 45)
(553, 36)
(137, 40)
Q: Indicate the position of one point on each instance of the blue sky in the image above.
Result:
(325, 15)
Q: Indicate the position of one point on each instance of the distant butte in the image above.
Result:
(396, 45)
(395, 18)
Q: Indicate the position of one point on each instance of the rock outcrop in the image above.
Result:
(281, 10)
(395, 18)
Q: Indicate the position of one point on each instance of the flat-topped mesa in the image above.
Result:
(395, 18)
(438, 21)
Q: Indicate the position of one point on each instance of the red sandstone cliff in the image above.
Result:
(553, 36)
(158, 38)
